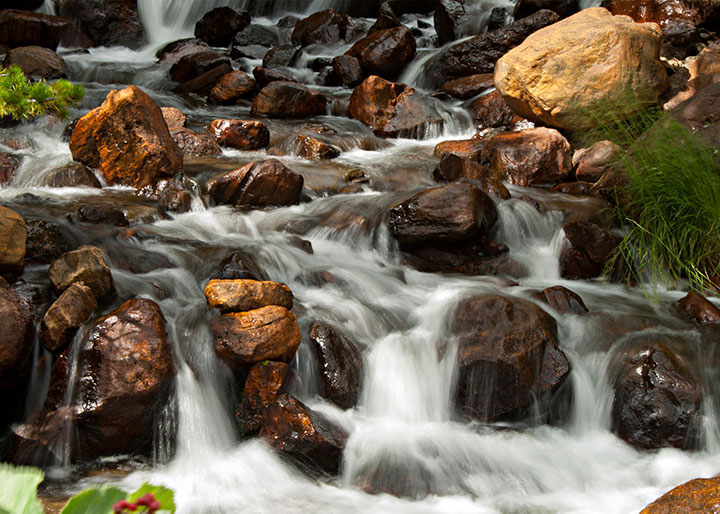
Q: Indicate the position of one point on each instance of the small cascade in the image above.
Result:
(174, 19)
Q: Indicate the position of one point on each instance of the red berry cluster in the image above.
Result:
(146, 503)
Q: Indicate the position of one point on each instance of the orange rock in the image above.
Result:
(701, 495)
(245, 295)
(13, 239)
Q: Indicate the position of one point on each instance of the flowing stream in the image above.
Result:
(405, 424)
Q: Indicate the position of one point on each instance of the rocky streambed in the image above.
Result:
(351, 256)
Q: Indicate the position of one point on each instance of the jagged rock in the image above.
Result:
(699, 309)
(219, 26)
(170, 194)
(245, 295)
(37, 62)
(101, 23)
(231, 87)
(240, 134)
(693, 497)
(265, 381)
(13, 238)
(283, 99)
(448, 13)
(386, 19)
(385, 52)
(66, 314)
(663, 12)
(246, 338)
(563, 300)
(87, 265)
(127, 138)
(23, 28)
(45, 242)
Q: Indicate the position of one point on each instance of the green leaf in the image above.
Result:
(98, 500)
(165, 496)
(19, 489)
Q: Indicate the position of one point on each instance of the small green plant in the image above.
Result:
(20, 99)
(18, 492)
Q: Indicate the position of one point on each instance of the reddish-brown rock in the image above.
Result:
(263, 384)
(453, 213)
(530, 157)
(7, 168)
(564, 300)
(37, 62)
(466, 148)
(699, 309)
(16, 338)
(105, 213)
(101, 23)
(491, 110)
(23, 28)
(385, 52)
(176, 50)
(231, 87)
(663, 12)
(245, 338)
(392, 109)
(66, 315)
(218, 26)
(467, 87)
(323, 27)
(13, 238)
(194, 144)
(305, 435)
(313, 149)
(87, 265)
(386, 18)
(72, 175)
(341, 365)
(590, 248)
(591, 163)
(657, 399)
(453, 167)
(508, 358)
(196, 64)
(258, 184)
(245, 295)
(240, 134)
(348, 70)
(698, 496)
(283, 99)
(127, 139)
(45, 242)
(263, 76)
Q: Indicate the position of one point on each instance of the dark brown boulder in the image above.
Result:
(13, 239)
(195, 64)
(87, 265)
(127, 138)
(105, 213)
(282, 56)
(386, 52)
(307, 436)
(491, 110)
(701, 495)
(283, 99)
(508, 358)
(453, 213)
(240, 295)
(657, 399)
(699, 309)
(219, 26)
(231, 87)
(203, 84)
(563, 300)
(176, 50)
(453, 167)
(37, 62)
(265, 381)
(467, 87)
(590, 248)
(564, 8)
(246, 338)
(23, 28)
(341, 365)
(65, 316)
(479, 54)
(240, 134)
(102, 23)
(530, 157)
(258, 184)
(16, 339)
(45, 242)
(591, 163)
(323, 27)
(72, 175)
(348, 70)
(263, 76)
(446, 18)
(392, 109)
(313, 149)
(386, 19)
(194, 144)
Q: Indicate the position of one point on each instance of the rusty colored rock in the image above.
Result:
(66, 315)
(470, 86)
(245, 295)
(341, 365)
(491, 110)
(664, 12)
(453, 167)
(564, 300)
(313, 149)
(87, 265)
(128, 139)
(466, 148)
(385, 52)
(698, 496)
(194, 144)
(699, 309)
(283, 99)
(246, 338)
(174, 118)
(195, 64)
(13, 239)
(231, 87)
(240, 134)
(265, 381)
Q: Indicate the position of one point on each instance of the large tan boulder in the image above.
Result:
(570, 74)
(127, 139)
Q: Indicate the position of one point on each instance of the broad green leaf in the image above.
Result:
(18, 492)
(98, 500)
(165, 496)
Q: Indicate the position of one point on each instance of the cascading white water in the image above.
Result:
(174, 19)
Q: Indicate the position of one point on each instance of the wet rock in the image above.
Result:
(306, 436)
(219, 26)
(695, 496)
(176, 50)
(203, 84)
(245, 295)
(240, 134)
(564, 300)
(348, 70)
(591, 163)
(231, 87)
(448, 214)
(491, 110)
(283, 56)
(590, 248)
(246, 338)
(446, 18)
(45, 242)
(171, 195)
(239, 265)
(248, 52)
(194, 144)
(16, 339)
(472, 149)
(256, 35)
(392, 109)
(87, 265)
(7, 168)
(65, 316)
(174, 118)
(13, 238)
(386, 52)
(37, 62)
(73, 175)
(470, 86)
(341, 365)
(564, 8)
(263, 76)
(466, 259)
(508, 358)
(196, 64)
(103, 213)
(657, 399)
(281, 99)
(323, 27)
(23, 28)
(265, 381)
(680, 39)
(479, 54)
(698, 309)
(101, 23)
(313, 149)
(386, 19)
(663, 12)
(530, 157)
(453, 167)
(128, 139)
(574, 48)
